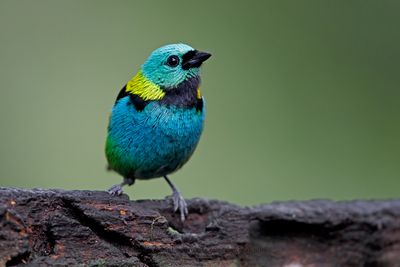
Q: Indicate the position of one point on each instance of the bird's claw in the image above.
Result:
(180, 204)
(115, 190)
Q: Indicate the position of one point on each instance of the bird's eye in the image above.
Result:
(173, 61)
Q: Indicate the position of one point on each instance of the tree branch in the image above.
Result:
(91, 228)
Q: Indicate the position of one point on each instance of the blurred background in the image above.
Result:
(303, 97)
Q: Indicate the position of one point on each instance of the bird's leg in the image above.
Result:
(179, 201)
(116, 189)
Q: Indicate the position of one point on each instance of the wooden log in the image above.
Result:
(91, 228)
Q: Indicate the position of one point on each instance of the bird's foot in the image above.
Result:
(179, 204)
(115, 190)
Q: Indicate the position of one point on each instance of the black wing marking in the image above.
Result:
(136, 100)
(122, 94)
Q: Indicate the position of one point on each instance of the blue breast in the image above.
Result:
(153, 142)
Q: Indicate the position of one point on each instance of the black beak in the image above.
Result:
(194, 59)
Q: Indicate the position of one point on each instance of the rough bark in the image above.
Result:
(88, 228)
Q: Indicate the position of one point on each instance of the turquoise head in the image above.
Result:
(170, 65)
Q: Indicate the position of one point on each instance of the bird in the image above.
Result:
(157, 119)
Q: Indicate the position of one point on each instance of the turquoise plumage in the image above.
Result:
(157, 119)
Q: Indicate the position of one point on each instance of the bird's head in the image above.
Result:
(170, 65)
(166, 69)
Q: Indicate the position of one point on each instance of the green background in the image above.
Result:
(303, 97)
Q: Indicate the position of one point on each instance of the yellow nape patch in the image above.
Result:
(198, 93)
(144, 88)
